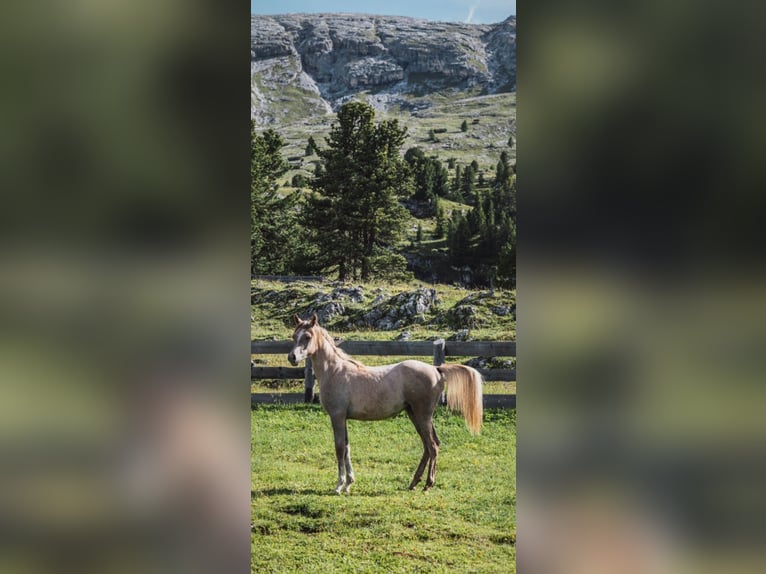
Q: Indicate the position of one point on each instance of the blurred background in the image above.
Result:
(124, 231)
(124, 287)
(641, 287)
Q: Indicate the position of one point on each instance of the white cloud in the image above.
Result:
(471, 11)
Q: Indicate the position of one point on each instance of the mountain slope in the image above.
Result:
(306, 65)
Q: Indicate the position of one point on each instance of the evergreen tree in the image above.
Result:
(486, 238)
(311, 147)
(464, 126)
(468, 181)
(460, 243)
(457, 184)
(299, 180)
(273, 219)
(503, 171)
(478, 219)
(441, 221)
(506, 263)
(429, 176)
(357, 217)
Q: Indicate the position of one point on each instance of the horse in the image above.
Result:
(351, 390)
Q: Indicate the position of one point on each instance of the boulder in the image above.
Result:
(400, 310)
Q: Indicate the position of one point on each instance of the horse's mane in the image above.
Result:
(328, 341)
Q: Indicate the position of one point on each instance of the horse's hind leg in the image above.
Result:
(341, 437)
(434, 455)
(421, 468)
(424, 432)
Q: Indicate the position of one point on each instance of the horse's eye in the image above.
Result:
(308, 335)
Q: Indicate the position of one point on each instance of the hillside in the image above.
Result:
(304, 66)
(451, 85)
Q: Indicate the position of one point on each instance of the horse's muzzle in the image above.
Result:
(291, 359)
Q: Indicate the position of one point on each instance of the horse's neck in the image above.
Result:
(326, 360)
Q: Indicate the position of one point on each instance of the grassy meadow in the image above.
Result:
(465, 523)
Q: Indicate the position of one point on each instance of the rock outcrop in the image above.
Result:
(403, 309)
(342, 307)
(327, 58)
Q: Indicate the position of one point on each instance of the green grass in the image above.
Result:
(466, 523)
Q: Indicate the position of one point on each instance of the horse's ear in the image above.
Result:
(314, 320)
(297, 319)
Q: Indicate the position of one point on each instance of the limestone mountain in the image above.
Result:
(305, 65)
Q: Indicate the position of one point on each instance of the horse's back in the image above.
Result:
(417, 373)
(387, 390)
(421, 384)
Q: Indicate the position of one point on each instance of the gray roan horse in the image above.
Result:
(351, 390)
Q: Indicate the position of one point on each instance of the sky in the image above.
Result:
(474, 11)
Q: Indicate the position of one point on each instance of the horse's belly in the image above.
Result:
(374, 411)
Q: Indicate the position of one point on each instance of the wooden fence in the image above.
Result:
(290, 278)
(439, 350)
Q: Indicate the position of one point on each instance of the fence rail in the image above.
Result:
(289, 278)
(438, 350)
(408, 348)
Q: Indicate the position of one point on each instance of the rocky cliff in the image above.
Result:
(308, 64)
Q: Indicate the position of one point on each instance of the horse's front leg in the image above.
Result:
(349, 469)
(339, 431)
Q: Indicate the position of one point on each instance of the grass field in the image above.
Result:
(466, 523)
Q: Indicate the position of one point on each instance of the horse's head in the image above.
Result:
(305, 339)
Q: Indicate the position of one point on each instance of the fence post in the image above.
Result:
(308, 383)
(439, 360)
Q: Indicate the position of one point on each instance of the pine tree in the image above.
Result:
(503, 171)
(273, 219)
(311, 146)
(429, 176)
(457, 184)
(299, 180)
(355, 216)
(468, 181)
(464, 126)
(441, 221)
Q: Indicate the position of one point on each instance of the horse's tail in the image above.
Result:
(464, 393)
